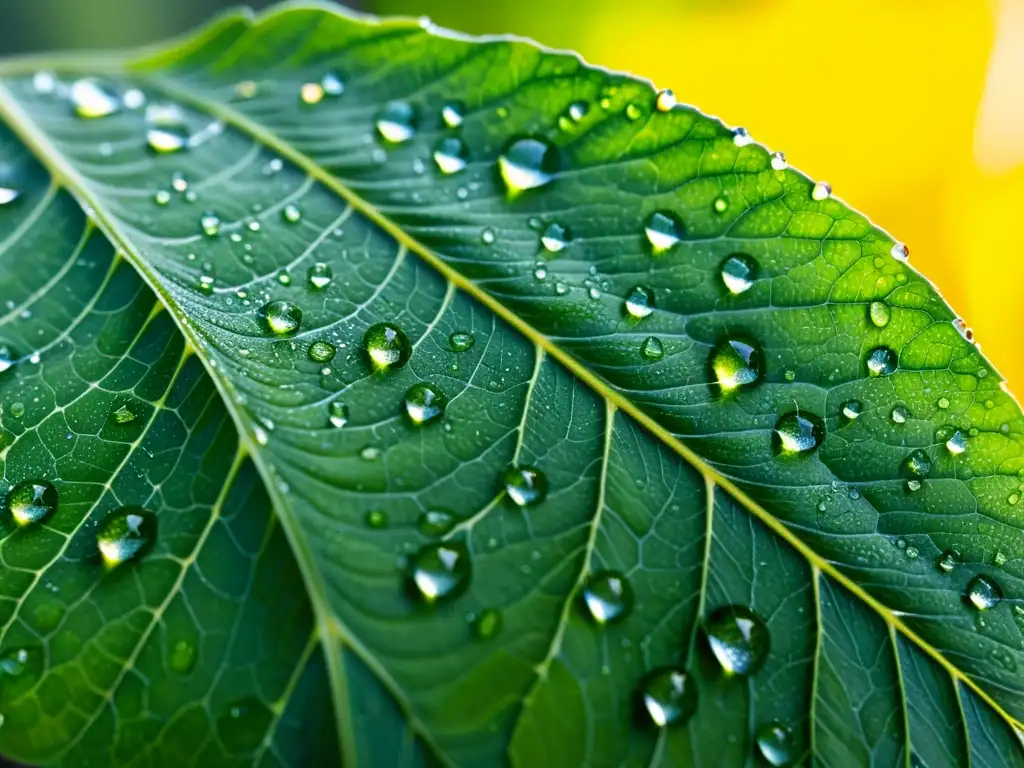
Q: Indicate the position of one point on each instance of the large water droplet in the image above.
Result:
(92, 98)
(453, 113)
(775, 743)
(386, 346)
(424, 403)
(528, 164)
(652, 348)
(461, 341)
(797, 433)
(607, 596)
(666, 100)
(736, 364)
(280, 317)
(436, 522)
(126, 534)
(451, 155)
(322, 352)
(320, 276)
(166, 128)
(244, 726)
(738, 273)
(440, 572)
(396, 122)
(900, 252)
(822, 190)
(668, 696)
(663, 230)
(879, 313)
(31, 501)
(983, 593)
(881, 361)
(555, 237)
(639, 303)
(738, 638)
(525, 485)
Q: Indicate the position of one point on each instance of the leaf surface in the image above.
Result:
(275, 621)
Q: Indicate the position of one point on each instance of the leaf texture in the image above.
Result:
(274, 621)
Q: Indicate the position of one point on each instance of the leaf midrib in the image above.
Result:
(113, 63)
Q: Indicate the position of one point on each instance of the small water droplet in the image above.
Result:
(436, 522)
(162, 197)
(332, 84)
(424, 403)
(572, 115)
(166, 128)
(957, 443)
(527, 486)
(17, 409)
(852, 409)
(668, 696)
(528, 164)
(396, 122)
(386, 346)
(736, 364)
(319, 276)
(633, 112)
(377, 519)
(741, 137)
(291, 213)
(92, 98)
(607, 597)
(899, 414)
(44, 82)
(487, 236)
(738, 638)
(948, 560)
(879, 313)
(652, 348)
(983, 593)
(900, 252)
(663, 230)
(440, 572)
(822, 190)
(453, 113)
(738, 273)
(666, 100)
(311, 93)
(31, 501)
(122, 415)
(280, 317)
(775, 743)
(337, 414)
(126, 534)
(487, 624)
(451, 155)
(639, 303)
(797, 433)
(182, 657)
(881, 361)
(210, 224)
(461, 341)
(321, 351)
(244, 726)
(555, 237)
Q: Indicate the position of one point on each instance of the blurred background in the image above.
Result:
(914, 112)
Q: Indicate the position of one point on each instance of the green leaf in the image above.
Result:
(631, 316)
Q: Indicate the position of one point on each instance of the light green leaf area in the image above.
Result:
(655, 421)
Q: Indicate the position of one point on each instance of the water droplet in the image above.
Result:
(245, 89)
(948, 560)
(666, 100)
(19, 671)
(424, 403)
(879, 313)
(337, 414)
(917, 464)
(178, 182)
(528, 164)
(663, 230)
(31, 501)
(386, 346)
(633, 112)
(900, 252)
(852, 409)
(741, 137)
(668, 696)
(122, 415)
(210, 224)
(487, 624)
(453, 113)
(487, 236)
(775, 743)
(736, 364)
(822, 191)
(126, 534)
(983, 593)
(435, 522)
(377, 519)
(17, 409)
(291, 213)
(555, 238)
(778, 160)
(162, 197)
(461, 341)
(440, 572)
(182, 657)
(899, 414)
(572, 115)
(281, 317)
(607, 597)
(451, 155)
(525, 485)
(166, 128)
(396, 122)
(244, 726)
(957, 443)
(311, 93)
(738, 273)
(321, 351)
(92, 98)
(44, 82)
(738, 638)
(881, 361)
(797, 433)
(8, 357)
(639, 303)
(332, 84)
(652, 349)
(320, 276)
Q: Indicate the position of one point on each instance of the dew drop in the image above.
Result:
(337, 414)
(668, 696)
(162, 197)
(736, 364)
(666, 101)
(280, 317)
(182, 657)
(607, 597)
(881, 361)
(451, 155)
(663, 230)
(332, 84)
(899, 414)
(852, 409)
(738, 273)
(291, 213)
(652, 348)
(435, 522)
(487, 236)
(778, 160)
(424, 403)
(8, 357)
(311, 93)
(741, 137)
(386, 346)
(639, 303)
(376, 519)
(879, 313)
(126, 534)
(44, 82)
(487, 624)
(775, 743)
(720, 204)
(210, 224)
(321, 351)
(528, 164)
(738, 638)
(31, 501)
(948, 560)
(245, 724)
(396, 122)
(527, 486)
(555, 238)
(957, 443)
(983, 593)
(166, 128)
(633, 112)
(453, 113)
(572, 115)
(917, 464)
(900, 252)
(440, 572)
(461, 341)
(797, 433)
(319, 276)
(92, 98)
(822, 190)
